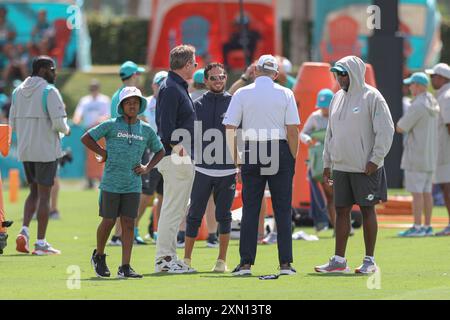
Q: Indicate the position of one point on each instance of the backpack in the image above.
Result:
(44, 97)
(315, 155)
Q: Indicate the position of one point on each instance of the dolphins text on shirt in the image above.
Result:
(126, 135)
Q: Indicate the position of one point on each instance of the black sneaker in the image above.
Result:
(212, 241)
(126, 271)
(99, 264)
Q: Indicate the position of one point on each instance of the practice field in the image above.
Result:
(410, 268)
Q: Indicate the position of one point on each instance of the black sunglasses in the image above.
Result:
(341, 73)
(220, 77)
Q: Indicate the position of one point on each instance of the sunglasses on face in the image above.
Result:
(341, 73)
(220, 77)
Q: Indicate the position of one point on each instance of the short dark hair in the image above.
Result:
(40, 63)
(213, 65)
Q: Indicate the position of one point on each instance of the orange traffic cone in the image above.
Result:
(203, 231)
(312, 77)
(14, 185)
(5, 139)
(2, 212)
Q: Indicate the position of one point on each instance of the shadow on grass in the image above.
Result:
(97, 279)
(163, 274)
(343, 275)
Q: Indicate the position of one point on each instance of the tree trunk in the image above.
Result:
(299, 31)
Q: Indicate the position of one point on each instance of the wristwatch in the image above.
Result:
(244, 78)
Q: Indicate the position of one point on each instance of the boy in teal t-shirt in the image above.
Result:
(127, 137)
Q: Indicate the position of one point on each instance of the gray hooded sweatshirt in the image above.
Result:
(360, 125)
(420, 122)
(443, 98)
(38, 131)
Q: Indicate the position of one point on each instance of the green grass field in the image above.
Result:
(410, 268)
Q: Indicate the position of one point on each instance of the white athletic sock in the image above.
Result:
(26, 230)
(41, 242)
(371, 258)
(340, 259)
(417, 226)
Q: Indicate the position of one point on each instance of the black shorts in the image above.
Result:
(114, 205)
(152, 182)
(358, 188)
(41, 173)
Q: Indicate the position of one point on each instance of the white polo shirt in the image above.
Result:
(264, 109)
(93, 110)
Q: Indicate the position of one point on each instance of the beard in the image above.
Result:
(214, 90)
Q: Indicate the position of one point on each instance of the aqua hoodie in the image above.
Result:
(360, 125)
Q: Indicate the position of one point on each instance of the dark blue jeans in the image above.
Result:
(253, 186)
(318, 210)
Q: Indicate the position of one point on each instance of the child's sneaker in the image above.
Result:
(99, 264)
(126, 272)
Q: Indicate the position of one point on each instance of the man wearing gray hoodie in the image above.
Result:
(38, 116)
(419, 158)
(359, 136)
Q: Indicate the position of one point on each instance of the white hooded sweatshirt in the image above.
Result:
(360, 125)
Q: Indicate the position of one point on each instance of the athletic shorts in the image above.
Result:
(41, 173)
(358, 188)
(418, 182)
(152, 182)
(114, 205)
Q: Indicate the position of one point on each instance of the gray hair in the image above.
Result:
(180, 56)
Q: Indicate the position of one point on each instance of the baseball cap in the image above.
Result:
(417, 77)
(199, 76)
(441, 69)
(159, 77)
(128, 92)
(287, 65)
(324, 98)
(128, 68)
(268, 62)
(338, 68)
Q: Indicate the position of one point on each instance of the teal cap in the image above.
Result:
(127, 69)
(199, 76)
(338, 68)
(159, 77)
(419, 78)
(324, 98)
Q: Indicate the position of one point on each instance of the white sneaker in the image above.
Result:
(220, 266)
(287, 271)
(172, 266)
(271, 238)
(45, 250)
(239, 271)
(115, 242)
